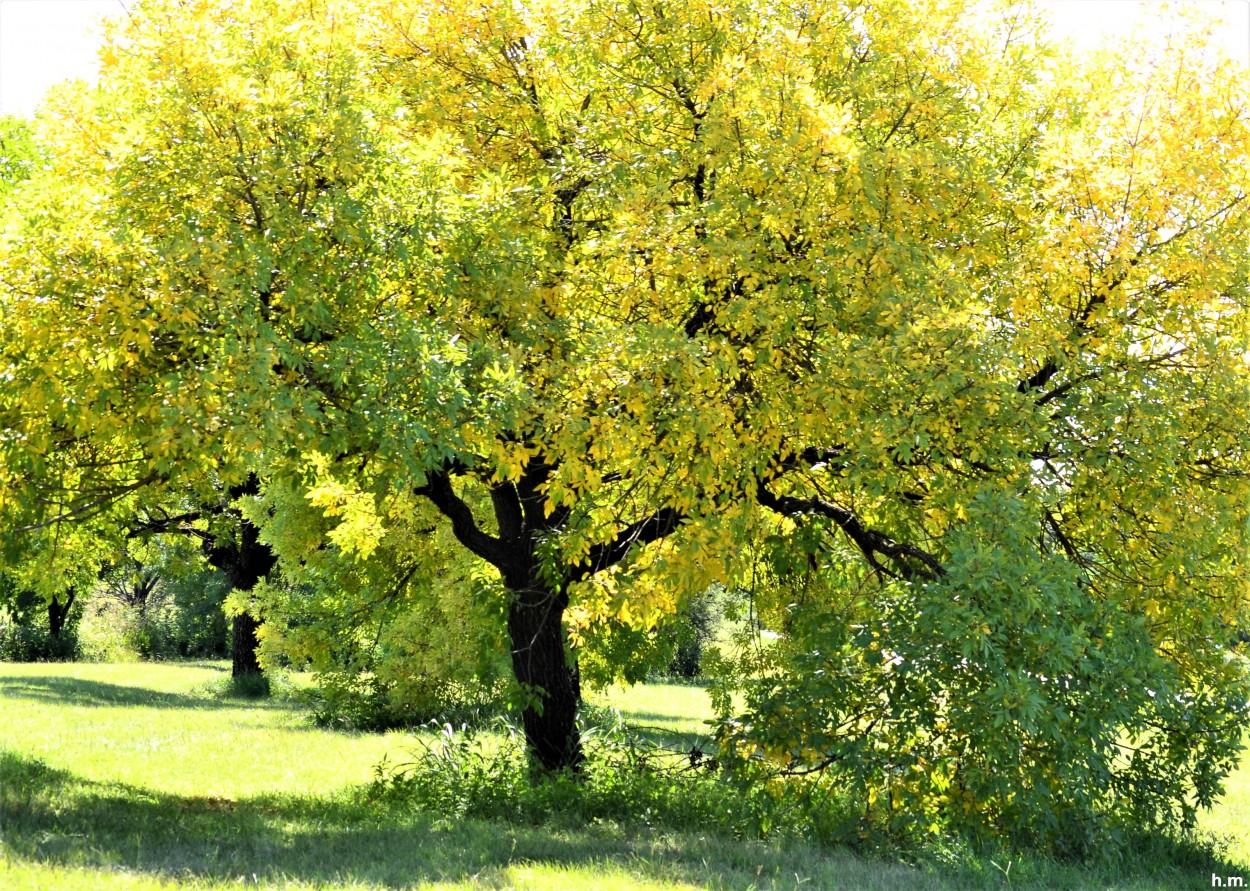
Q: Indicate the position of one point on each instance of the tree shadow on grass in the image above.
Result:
(52, 817)
(59, 690)
(656, 729)
(55, 818)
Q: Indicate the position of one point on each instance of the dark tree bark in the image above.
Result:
(244, 561)
(541, 660)
(243, 646)
(58, 611)
(543, 666)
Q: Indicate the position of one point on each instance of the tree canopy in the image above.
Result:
(931, 336)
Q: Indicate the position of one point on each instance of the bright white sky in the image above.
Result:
(43, 42)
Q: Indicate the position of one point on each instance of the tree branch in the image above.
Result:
(870, 542)
(92, 507)
(439, 491)
(663, 522)
(174, 525)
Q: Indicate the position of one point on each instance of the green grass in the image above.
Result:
(141, 776)
(672, 714)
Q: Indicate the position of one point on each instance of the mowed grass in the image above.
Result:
(160, 726)
(138, 776)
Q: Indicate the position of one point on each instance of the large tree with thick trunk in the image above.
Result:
(641, 298)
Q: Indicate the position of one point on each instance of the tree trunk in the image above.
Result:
(243, 646)
(244, 561)
(58, 612)
(540, 660)
(541, 663)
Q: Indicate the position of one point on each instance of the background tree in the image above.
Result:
(159, 599)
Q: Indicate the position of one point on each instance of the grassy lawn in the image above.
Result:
(138, 776)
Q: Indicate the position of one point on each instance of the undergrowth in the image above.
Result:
(273, 684)
(627, 781)
(483, 772)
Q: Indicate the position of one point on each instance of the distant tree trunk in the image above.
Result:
(58, 612)
(244, 561)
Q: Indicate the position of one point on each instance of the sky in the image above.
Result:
(43, 42)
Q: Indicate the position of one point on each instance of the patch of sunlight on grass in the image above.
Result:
(38, 877)
(1230, 818)
(155, 725)
(673, 708)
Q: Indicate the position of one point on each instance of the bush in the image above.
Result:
(364, 701)
(191, 622)
(35, 643)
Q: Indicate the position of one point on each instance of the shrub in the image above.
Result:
(694, 628)
(364, 701)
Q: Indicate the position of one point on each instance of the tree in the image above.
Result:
(633, 295)
(55, 576)
(160, 599)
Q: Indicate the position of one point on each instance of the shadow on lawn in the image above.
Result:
(76, 691)
(53, 817)
(50, 816)
(656, 728)
(655, 719)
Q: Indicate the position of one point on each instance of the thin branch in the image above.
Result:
(92, 507)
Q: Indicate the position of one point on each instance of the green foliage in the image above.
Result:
(613, 651)
(192, 622)
(33, 642)
(108, 632)
(360, 700)
(998, 699)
